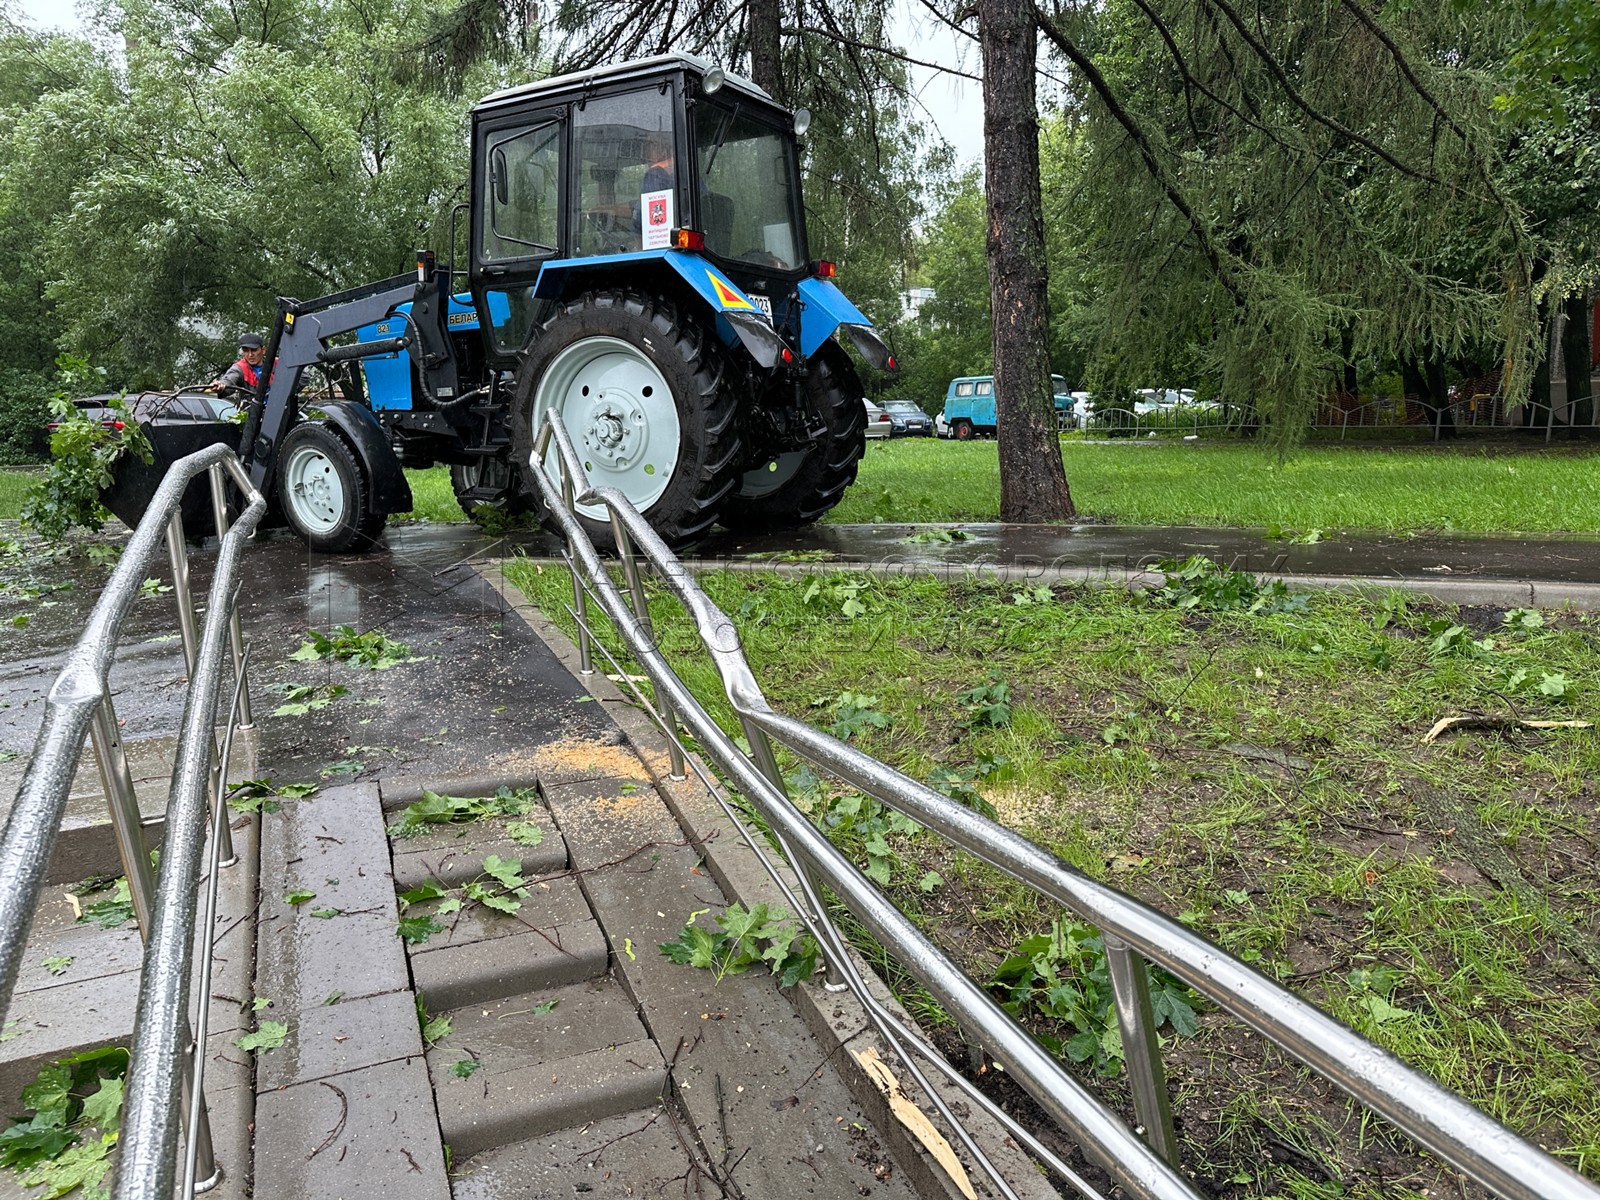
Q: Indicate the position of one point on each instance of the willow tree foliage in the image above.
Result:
(225, 155)
(1294, 186)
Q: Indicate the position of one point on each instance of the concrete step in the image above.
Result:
(86, 846)
(530, 1064)
(344, 1107)
(454, 854)
(89, 1002)
(638, 1153)
(484, 955)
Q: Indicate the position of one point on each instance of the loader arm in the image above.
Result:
(299, 340)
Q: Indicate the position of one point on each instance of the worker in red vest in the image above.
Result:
(243, 377)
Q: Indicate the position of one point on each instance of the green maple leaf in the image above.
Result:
(269, 1035)
(416, 930)
(525, 833)
(103, 1108)
(429, 889)
(508, 871)
(82, 1166)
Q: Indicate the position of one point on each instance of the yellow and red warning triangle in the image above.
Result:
(729, 297)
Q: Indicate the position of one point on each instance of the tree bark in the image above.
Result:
(1576, 357)
(1539, 386)
(1033, 484)
(766, 47)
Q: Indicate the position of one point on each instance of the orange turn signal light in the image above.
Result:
(688, 239)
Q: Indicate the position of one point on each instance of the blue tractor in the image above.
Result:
(638, 263)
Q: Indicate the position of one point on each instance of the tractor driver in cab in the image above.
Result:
(242, 378)
(653, 211)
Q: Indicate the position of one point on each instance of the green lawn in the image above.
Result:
(1325, 487)
(14, 485)
(1263, 778)
(1465, 488)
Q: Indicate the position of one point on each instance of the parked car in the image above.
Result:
(970, 411)
(1158, 400)
(185, 406)
(941, 427)
(878, 423)
(94, 408)
(153, 406)
(907, 420)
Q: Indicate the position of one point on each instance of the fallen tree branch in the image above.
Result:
(1445, 724)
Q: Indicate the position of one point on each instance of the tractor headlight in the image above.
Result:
(802, 121)
(711, 82)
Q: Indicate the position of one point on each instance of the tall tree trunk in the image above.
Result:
(1347, 351)
(1444, 421)
(766, 47)
(1577, 358)
(1033, 485)
(1539, 385)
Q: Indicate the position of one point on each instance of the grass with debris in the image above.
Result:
(1260, 775)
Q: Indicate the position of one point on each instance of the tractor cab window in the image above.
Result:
(748, 191)
(521, 213)
(624, 178)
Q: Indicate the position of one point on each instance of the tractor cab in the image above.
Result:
(640, 159)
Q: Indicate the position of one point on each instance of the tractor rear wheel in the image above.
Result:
(323, 493)
(488, 481)
(799, 486)
(644, 394)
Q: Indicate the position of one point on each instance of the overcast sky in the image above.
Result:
(954, 106)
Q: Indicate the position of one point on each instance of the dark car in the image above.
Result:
(185, 406)
(94, 408)
(907, 420)
(160, 407)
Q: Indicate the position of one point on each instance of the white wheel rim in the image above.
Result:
(622, 417)
(315, 492)
(760, 482)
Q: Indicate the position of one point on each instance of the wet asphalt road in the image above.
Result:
(486, 690)
(482, 692)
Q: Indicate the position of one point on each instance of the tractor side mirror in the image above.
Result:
(497, 176)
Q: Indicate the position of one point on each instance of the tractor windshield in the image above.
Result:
(749, 197)
(624, 174)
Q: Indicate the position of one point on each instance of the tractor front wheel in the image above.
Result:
(323, 493)
(797, 487)
(643, 394)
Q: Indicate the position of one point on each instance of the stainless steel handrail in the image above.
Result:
(79, 703)
(152, 1117)
(1474, 1143)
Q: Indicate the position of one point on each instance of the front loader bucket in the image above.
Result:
(134, 482)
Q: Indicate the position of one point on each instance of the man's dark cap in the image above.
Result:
(250, 341)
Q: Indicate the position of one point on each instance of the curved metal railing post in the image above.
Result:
(178, 556)
(127, 823)
(219, 513)
(641, 609)
(1141, 1048)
